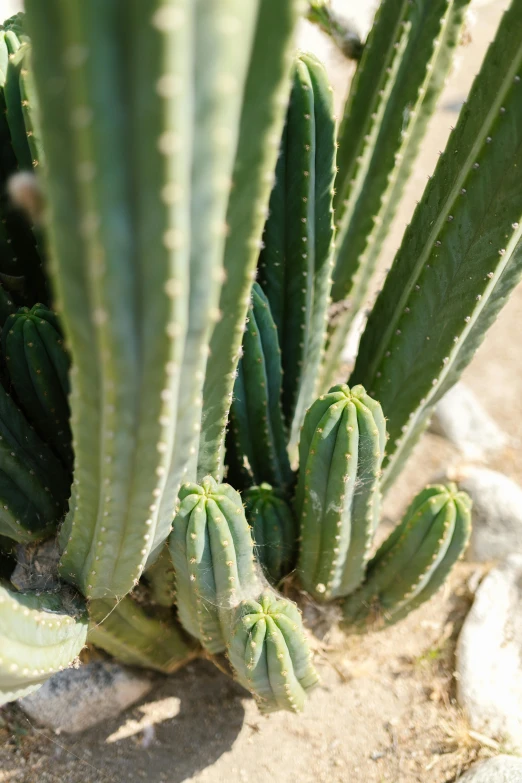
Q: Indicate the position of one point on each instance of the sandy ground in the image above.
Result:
(386, 709)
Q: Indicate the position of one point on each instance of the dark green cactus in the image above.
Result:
(296, 262)
(39, 635)
(460, 258)
(337, 499)
(273, 529)
(7, 306)
(34, 486)
(269, 652)
(213, 556)
(256, 419)
(38, 367)
(414, 561)
(138, 637)
(262, 118)
(406, 60)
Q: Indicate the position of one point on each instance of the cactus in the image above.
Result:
(273, 530)
(213, 557)
(415, 559)
(269, 652)
(337, 498)
(38, 365)
(400, 77)
(267, 85)
(34, 486)
(139, 638)
(39, 635)
(460, 257)
(256, 418)
(295, 264)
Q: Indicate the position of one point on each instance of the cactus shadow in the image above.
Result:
(183, 726)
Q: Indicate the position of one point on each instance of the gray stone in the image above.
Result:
(77, 699)
(502, 769)
(461, 419)
(489, 667)
(496, 515)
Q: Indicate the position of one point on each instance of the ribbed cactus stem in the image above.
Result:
(273, 530)
(414, 561)
(269, 652)
(39, 635)
(337, 499)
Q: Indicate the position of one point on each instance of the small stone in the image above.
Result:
(489, 669)
(461, 419)
(502, 769)
(496, 514)
(77, 699)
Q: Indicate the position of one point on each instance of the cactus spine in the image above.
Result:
(460, 257)
(337, 498)
(273, 529)
(295, 264)
(39, 635)
(414, 561)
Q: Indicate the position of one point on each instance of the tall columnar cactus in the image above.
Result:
(295, 264)
(267, 87)
(256, 419)
(213, 557)
(34, 486)
(273, 529)
(269, 652)
(342, 33)
(415, 559)
(39, 635)
(38, 364)
(460, 257)
(337, 499)
(394, 92)
(136, 329)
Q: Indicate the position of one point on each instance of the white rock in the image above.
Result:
(496, 514)
(76, 699)
(461, 419)
(502, 769)
(489, 667)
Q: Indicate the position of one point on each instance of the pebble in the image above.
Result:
(496, 514)
(502, 769)
(460, 418)
(488, 666)
(77, 699)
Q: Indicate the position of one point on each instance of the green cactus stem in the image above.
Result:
(161, 580)
(414, 561)
(296, 262)
(267, 88)
(337, 499)
(460, 257)
(34, 486)
(133, 174)
(137, 637)
(213, 556)
(256, 419)
(394, 93)
(273, 530)
(38, 367)
(269, 652)
(39, 635)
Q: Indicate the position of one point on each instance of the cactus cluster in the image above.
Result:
(168, 413)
